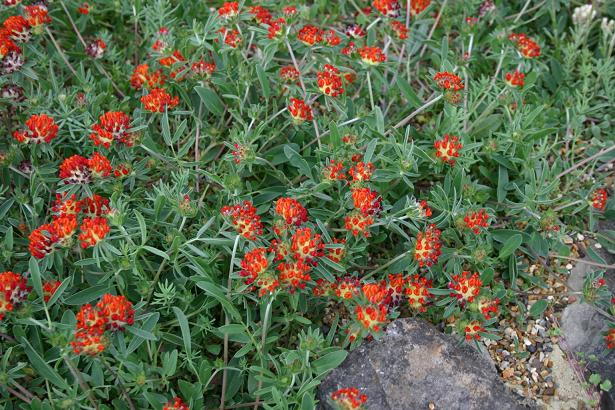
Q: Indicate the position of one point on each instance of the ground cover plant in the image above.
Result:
(206, 204)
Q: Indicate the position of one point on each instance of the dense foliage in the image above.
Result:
(206, 206)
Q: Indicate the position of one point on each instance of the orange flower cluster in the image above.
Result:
(111, 313)
(229, 9)
(476, 220)
(372, 56)
(465, 287)
(400, 29)
(515, 79)
(141, 77)
(310, 35)
(417, 292)
(291, 211)
(159, 100)
(81, 170)
(244, 219)
(94, 227)
(289, 74)
(37, 16)
(427, 248)
(366, 201)
(13, 290)
(610, 339)
(334, 171)
(451, 85)
(349, 399)
(112, 126)
(40, 128)
(417, 6)
(49, 289)
(447, 149)
(17, 29)
(488, 307)
(473, 329)
(329, 81)
(599, 198)
(388, 8)
(96, 48)
(176, 404)
(299, 111)
(525, 45)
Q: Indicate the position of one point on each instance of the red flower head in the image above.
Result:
(289, 10)
(376, 293)
(294, 275)
(599, 198)
(261, 14)
(488, 307)
(366, 201)
(476, 220)
(417, 6)
(515, 79)
(37, 16)
(465, 287)
(400, 29)
(362, 171)
(418, 293)
(306, 245)
(329, 81)
(231, 37)
(91, 318)
(90, 342)
(289, 74)
(244, 219)
(334, 171)
(291, 211)
(203, 69)
(17, 28)
(117, 310)
(610, 339)
(428, 244)
(112, 126)
(349, 49)
(472, 330)
(93, 230)
(358, 223)
(255, 268)
(388, 8)
(49, 289)
(141, 76)
(310, 35)
(40, 128)
(63, 229)
(168, 61)
(158, 100)
(96, 48)
(355, 31)
(447, 149)
(95, 205)
(99, 165)
(525, 45)
(300, 111)
(372, 318)
(372, 55)
(176, 404)
(337, 254)
(349, 399)
(66, 206)
(84, 9)
(42, 240)
(276, 28)
(13, 290)
(347, 288)
(451, 85)
(75, 170)
(7, 46)
(331, 38)
(229, 9)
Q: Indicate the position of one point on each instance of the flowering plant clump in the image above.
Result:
(208, 207)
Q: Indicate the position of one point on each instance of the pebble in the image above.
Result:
(598, 246)
(580, 237)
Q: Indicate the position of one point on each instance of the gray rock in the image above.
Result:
(413, 365)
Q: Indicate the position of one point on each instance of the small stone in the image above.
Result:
(526, 341)
(549, 391)
(508, 373)
(531, 348)
(569, 266)
(580, 237)
(598, 246)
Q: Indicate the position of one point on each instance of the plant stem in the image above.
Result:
(262, 352)
(585, 161)
(228, 321)
(197, 138)
(82, 383)
(59, 49)
(371, 93)
(386, 265)
(415, 113)
(120, 384)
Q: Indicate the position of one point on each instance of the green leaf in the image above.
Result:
(147, 326)
(185, 329)
(606, 385)
(510, 245)
(211, 100)
(141, 333)
(36, 276)
(142, 227)
(297, 161)
(166, 131)
(595, 378)
(87, 295)
(155, 251)
(214, 290)
(41, 366)
(262, 78)
(539, 307)
(409, 93)
(502, 182)
(307, 402)
(329, 361)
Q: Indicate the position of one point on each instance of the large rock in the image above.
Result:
(414, 365)
(583, 326)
